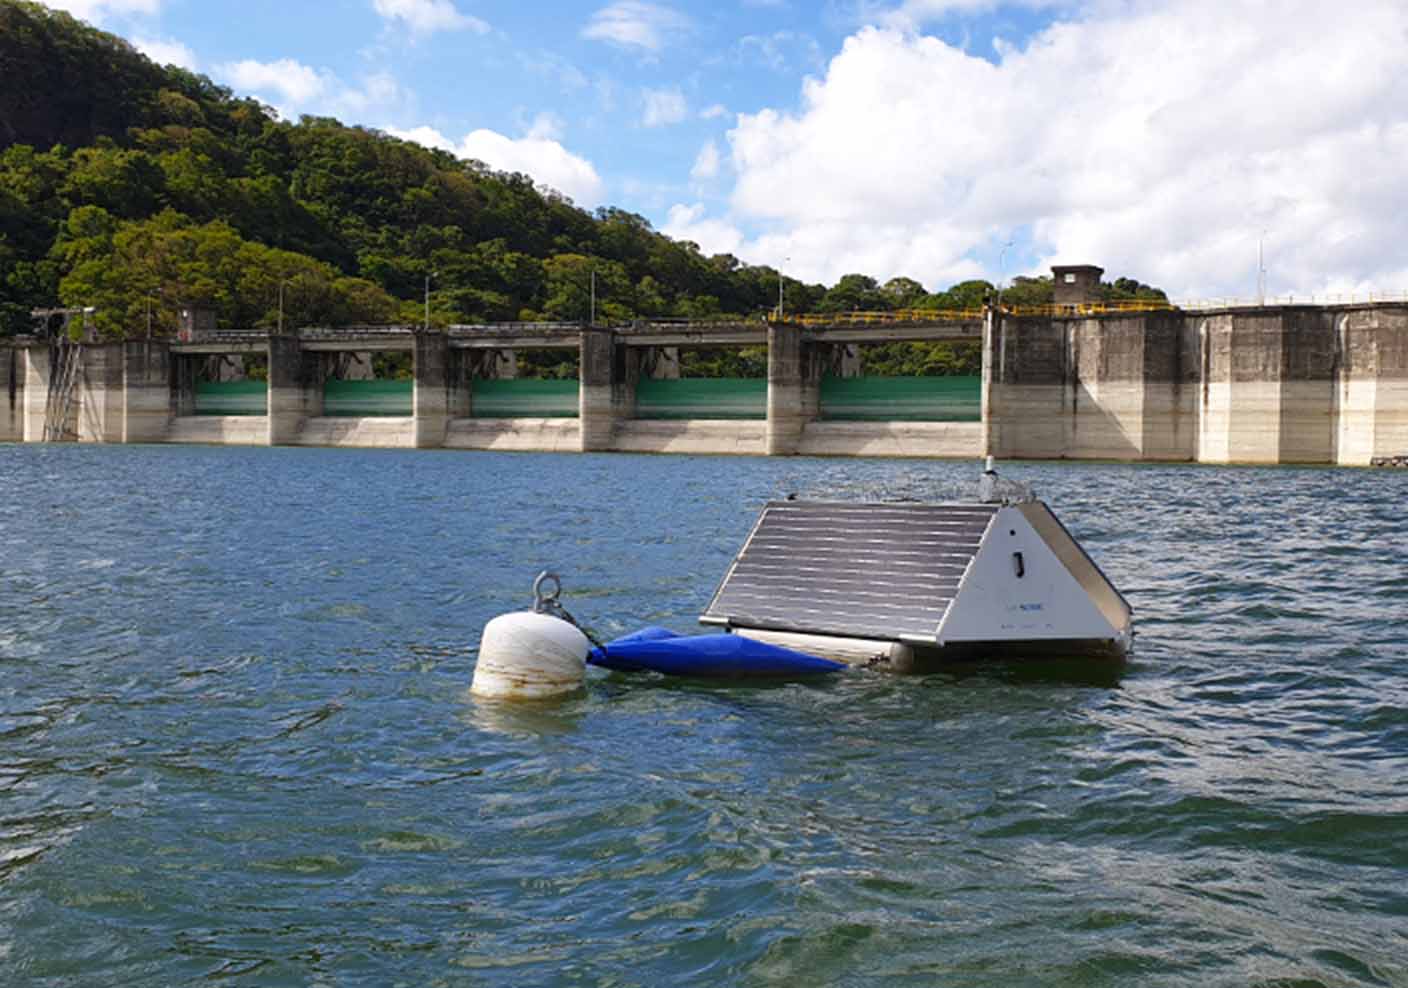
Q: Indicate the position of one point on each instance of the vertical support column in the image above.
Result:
(288, 398)
(146, 391)
(601, 382)
(1269, 387)
(787, 389)
(1308, 370)
(183, 370)
(1373, 386)
(12, 396)
(1030, 384)
(1170, 387)
(99, 397)
(439, 393)
(38, 367)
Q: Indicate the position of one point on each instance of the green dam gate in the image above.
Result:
(525, 397)
(902, 399)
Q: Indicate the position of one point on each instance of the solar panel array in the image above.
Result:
(882, 571)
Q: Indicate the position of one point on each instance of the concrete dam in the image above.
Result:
(1309, 384)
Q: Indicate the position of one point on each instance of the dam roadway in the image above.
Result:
(1257, 384)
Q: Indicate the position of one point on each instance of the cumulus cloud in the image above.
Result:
(428, 16)
(97, 11)
(688, 222)
(167, 51)
(294, 88)
(713, 111)
(537, 153)
(1157, 139)
(706, 163)
(291, 82)
(663, 106)
(635, 24)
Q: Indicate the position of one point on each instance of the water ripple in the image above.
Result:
(236, 744)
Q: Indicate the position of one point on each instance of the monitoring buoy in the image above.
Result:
(528, 656)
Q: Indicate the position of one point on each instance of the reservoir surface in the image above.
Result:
(237, 745)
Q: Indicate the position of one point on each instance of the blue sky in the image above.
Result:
(1160, 138)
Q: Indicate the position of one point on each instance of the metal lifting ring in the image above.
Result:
(545, 601)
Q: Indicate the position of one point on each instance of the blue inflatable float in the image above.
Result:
(706, 656)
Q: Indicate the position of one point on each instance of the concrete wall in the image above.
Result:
(937, 440)
(220, 430)
(147, 399)
(607, 389)
(794, 369)
(381, 432)
(295, 389)
(37, 370)
(441, 390)
(100, 398)
(1269, 387)
(1292, 384)
(555, 435)
(712, 436)
(1372, 397)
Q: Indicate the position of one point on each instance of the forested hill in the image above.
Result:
(131, 188)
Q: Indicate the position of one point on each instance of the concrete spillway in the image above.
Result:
(1284, 384)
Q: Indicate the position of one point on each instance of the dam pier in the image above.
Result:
(1080, 380)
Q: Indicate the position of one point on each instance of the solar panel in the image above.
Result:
(882, 571)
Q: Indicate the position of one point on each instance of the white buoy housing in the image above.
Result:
(527, 656)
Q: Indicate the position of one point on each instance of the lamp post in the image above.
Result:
(428, 276)
(779, 288)
(1261, 269)
(593, 313)
(1002, 271)
(282, 284)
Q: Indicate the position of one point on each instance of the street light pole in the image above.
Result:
(593, 322)
(281, 306)
(1002, 271)
(779, 288)
(1261, 269)
(428, 276)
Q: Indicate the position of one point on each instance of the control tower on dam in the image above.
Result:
(1077, 379)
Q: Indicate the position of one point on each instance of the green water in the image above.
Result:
(237, 747)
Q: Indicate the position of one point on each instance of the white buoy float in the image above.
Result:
(530, 655)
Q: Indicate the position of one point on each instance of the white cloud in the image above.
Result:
(293, 83)
(428, 16)
(96, 11)
(713, 111)
(167, 51)
(295, 88)
(647, 27)
(911, 14)
(712, 236)
(535, 154)
(1157, 139)
(772, 50)
(706, 163)
(546, 127)
(663, 106)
